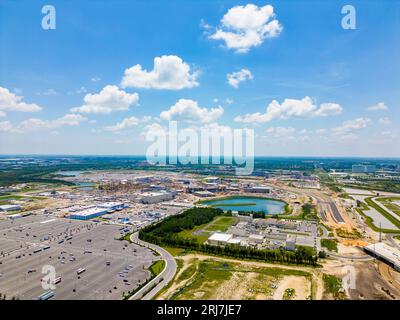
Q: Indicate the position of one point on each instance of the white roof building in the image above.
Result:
(219, 238)
(10, 207)
(387, 253)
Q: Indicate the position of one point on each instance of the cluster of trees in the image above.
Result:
(165, 233)
(185, 221)
(309, 211)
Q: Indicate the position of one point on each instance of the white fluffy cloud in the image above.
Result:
(378, 107)
(189, 111)
(243, 27)
(10, 101)
(5, 126)
(127, 123)
(34, 124)
(281, 132)
(291, 108)
(109, 99)
(169, 72)
(347, 127)
(235, 78)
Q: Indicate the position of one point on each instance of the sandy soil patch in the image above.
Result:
(301, 285)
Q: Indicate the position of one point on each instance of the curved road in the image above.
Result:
(390, 238)
(161, 280)
(350, 257)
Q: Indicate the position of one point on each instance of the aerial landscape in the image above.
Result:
(232, 151)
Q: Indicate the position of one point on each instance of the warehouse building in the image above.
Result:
(257, 189)
(219, 238)
(10, 207)
(89, 213)
(156, 197)
(386, 253)
(112, 206)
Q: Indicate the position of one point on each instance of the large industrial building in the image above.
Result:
(112, 206)
(385, 253)
(156, 197)
(10, 207)
(99, 210)
(257, 189)
(90, 213)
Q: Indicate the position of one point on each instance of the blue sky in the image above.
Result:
(336, 91)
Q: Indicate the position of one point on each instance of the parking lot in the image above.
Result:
(111, 266)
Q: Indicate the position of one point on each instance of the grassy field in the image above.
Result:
(157, 267)
(202, 233)
(388, 203)
(382, 211)
(330, 244)
(333, 285)
(175, 251)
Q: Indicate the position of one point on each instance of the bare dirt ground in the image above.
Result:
(371, 282)
(301, 286)
(247, 285)
(242, 286)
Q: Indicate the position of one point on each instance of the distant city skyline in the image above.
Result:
(110, 73)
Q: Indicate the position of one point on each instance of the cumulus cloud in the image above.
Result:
(243, 27)
(189, 111)
(34, 124)
(347, 127)
(109, 99)
(169, 72)
(235, 78)
(127, 123)
(155, 129)
(11, 101)
(291, 108)
(5, 126)
(378, 107)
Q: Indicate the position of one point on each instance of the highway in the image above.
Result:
(161, 280)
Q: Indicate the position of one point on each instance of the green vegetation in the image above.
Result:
(189, 271)
(383, 212)
(221, 224)
(328, 181)
(388, 203)
(169, 233)
(289, 294)
(368, 183)
(126, 237)
(175, 251)
(343, 233)
(330, 244)
(333, 285)
(370, 223)
(202, 279)
(309, 212)
(157, 267)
